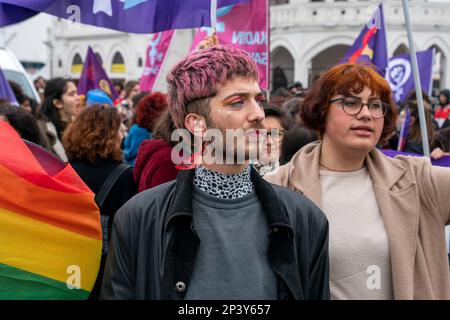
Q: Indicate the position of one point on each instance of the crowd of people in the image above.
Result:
(201, 232)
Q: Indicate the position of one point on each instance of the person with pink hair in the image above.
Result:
(219, 231)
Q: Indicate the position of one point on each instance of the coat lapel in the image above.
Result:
(304, 173)
(397, 197)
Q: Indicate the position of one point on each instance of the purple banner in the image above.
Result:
(442, 162)
(400, 74)
(134, 16)
(156, 54)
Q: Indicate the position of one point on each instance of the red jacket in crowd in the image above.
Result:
(153, 164)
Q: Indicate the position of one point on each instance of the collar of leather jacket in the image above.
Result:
(184, 244)
(275, 212)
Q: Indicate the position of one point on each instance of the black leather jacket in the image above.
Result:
(154, 243)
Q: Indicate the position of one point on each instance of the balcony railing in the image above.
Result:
(354, 13)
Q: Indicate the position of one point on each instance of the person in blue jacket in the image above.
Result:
(147, 112)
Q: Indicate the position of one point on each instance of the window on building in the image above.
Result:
(140, 62)
(401, 49)
(439, 68)
(118, 63)
(282, 68)
(77, 63)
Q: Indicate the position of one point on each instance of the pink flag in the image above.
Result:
(245, 26)
(156, 54)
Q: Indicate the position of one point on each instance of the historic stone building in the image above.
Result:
(309, 36)
(306, 38)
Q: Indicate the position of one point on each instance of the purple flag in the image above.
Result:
(6, 91)
(403, 139)
(442, 162)
(134, 16)
(94, 77)
(156, 54)
(400, 76)
(371, 45)
(10, 14)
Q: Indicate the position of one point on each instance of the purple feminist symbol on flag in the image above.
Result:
(398, 75)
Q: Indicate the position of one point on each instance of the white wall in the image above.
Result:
(27, 40)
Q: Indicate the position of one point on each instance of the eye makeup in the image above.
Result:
(238, 99)
(234, 101)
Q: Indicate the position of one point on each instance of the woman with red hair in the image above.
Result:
(148, 111)
(387, 216)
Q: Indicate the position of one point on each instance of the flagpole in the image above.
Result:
(213, 15)
(418, 86)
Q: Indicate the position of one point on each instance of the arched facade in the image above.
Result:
(76, 62)
(280, 57)
(325, 60)
(401, 49)
(303, 28)
(316, 37)
(118, 63)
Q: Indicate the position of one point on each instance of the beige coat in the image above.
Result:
(414, 200)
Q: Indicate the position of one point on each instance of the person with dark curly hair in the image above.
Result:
(387, 215)
(92, 143)
(147, 112)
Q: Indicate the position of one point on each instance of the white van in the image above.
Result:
(14, 71)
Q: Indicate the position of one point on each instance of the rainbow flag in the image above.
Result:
(50, 232)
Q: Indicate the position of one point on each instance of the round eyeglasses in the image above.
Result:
(353, 106)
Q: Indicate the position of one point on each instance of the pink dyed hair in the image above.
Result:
(195, 78)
